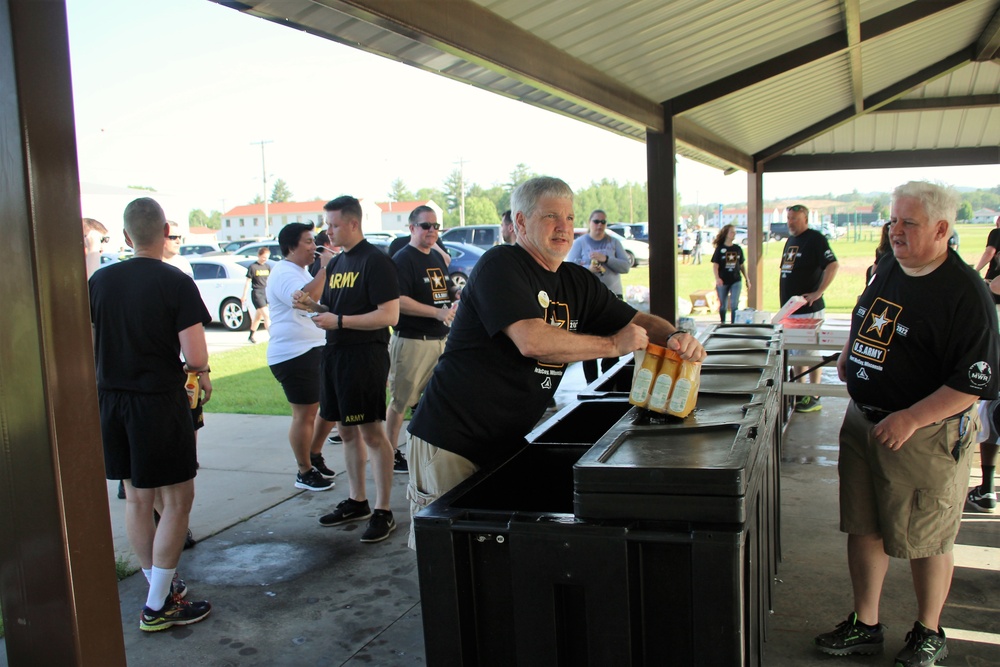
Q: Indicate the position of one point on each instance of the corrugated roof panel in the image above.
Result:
(972, 79)
(762, 115)
(894, 56)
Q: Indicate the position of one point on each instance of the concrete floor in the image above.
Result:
(287, 592)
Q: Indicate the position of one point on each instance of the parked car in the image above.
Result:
(250, 250)
(463, 257)
(741, 236)
(778, 231)
(233, 246)
(197, 248)
(631, 230)
(484, 236)
(637, 251)
(220, 281)
(388, 236)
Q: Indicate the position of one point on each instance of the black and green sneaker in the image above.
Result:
(924, 647)
(808, 404)
(851, 636)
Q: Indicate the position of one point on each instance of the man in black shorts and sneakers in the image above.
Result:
(905, 445)
(524, 315)
(145, 314)
(360, 301)
(808, 266)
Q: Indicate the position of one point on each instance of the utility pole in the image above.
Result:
(263, 167)
(461, 191)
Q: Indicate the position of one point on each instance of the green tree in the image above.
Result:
(280, 192)
(257, 199)
(480, 211)
(964, 211)
(141, 187)
(399, 192)
(878, 207)
(197, 218)
(214, 220)
(452, 191)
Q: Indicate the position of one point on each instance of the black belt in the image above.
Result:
(875, 415)
(403, 334)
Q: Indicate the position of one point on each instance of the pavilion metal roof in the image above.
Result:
(772, 84)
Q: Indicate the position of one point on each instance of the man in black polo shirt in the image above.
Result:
(914, 377)
(808, 266)
(425, 313)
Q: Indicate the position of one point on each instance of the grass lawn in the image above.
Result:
(853, 255)
(242, 384)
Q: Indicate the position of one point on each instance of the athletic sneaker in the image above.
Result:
(399, 464)
(178, 588)
(808, 404)
(189, 540)
(312, 481)
(924, 647)
(175, 612)
(977, 501)
(379, 526)
(336, 439)
(852, 636)
(347, 511)
(318, 463)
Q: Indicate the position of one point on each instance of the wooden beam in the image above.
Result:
(939, 157)
(875, 27)
(661, 175)
(755, 238)
(873, 102)
(940, 103)
(988, 44)
(852, 27)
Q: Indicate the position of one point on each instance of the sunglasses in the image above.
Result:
(105, 239)
(175, 238)
(599, 222)
(797, 208)
(428, 225)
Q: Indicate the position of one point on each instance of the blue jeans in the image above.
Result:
(729, 294)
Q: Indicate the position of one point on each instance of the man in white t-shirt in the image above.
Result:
(294, 353)
(172, 249)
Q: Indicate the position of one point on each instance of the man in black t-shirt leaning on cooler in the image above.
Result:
(905, 445)
(524, 315)
(808, 266)
(360, 301)
(145, 313)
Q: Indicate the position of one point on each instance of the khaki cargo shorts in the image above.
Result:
(912, 496)
(433, 473)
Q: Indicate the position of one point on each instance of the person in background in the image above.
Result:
(905, 444)
(401, 242)
(808, 266)
(146, 424)
(884, 248)
(172, 249)
(507, 228)
(696, 250)
(95, 239)
(728, 264)
(256, 284)
(604, 256)
(322, 240)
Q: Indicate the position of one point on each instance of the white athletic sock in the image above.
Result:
(159, 587)
(148, 573)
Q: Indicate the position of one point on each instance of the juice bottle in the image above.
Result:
(685, 393)
(663, 385)
(643, 380)
(193, 389)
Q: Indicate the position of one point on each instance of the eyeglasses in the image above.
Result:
(797, 208)
(105, 239)
(174, 238)
(599, 222)
(428, 225)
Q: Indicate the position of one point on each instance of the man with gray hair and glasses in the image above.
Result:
(524, 315)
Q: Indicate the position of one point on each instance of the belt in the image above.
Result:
(403, 334)
(875, 415)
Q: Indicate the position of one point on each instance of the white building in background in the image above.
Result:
(106, 203)
(247, 222)
(396, 214)
(984, 216)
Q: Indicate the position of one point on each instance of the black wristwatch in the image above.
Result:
(340, 321)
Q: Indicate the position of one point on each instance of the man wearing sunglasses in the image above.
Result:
(425, 313)
(172, 250)
(808, 266)
(95, 238)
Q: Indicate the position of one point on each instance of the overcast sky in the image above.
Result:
(172, 95)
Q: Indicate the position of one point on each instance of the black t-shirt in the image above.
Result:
(258, 273)
(138, 307)
(484, 395)
(729, 259)
(802, 263)
(912, 335)
(357, 281)
(401, 242)
(993, 241)
(424, 278)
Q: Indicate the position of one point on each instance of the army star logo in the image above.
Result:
(879, 322)
(437, 281)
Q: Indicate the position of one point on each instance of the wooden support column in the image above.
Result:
(661, 169)
(57, 577)
(755, 236)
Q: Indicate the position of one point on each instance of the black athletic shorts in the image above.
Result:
(353, 383)
(148, 438)
(258, 298)
(299, 376)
